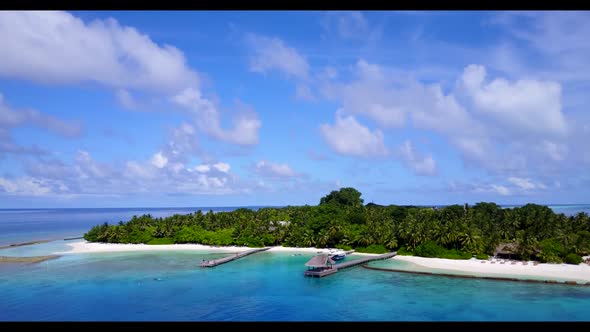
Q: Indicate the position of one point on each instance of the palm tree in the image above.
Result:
(309, 238)
(323, 238)
(391, 243)
(471, 241)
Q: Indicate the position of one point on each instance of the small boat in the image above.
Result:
(337, 255)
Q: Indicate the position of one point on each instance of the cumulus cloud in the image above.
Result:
(493, 188)
(348, 137)
(245, 124)
(274, 170)
(159, 160)
(370, 94)
(419, 164)
(526, 183)
(26, 186)
(54, 47)
(222, 167)
(270, 53)
(57, 47)
(530, 105)
(182, 143)
(86, 176)
(202, 168)
(504, 126)
(555, 38)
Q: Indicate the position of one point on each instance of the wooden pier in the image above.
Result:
(219, 261)
(365, 260)
(323, 271)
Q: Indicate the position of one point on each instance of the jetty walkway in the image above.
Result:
(219, 261)
(356, 262)
(323, 271)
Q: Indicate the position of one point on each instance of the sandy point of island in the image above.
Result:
(484, 268)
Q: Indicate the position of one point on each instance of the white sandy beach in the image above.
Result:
(560, 272)
(311, 250)
(92, 247)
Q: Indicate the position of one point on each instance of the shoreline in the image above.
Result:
(484, 269)
(82, 247)
(467, 276)
(31, 259)
(22, 244)
(472, 268)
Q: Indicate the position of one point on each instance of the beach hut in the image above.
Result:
(320, 265)
(505, 249)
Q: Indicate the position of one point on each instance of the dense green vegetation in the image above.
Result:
(342, 220)
(372, 249)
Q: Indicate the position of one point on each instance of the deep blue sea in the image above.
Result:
(170, 286)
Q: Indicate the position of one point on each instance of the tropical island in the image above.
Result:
(342, 220)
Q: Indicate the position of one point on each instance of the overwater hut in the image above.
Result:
(320, 265)
(505, 250)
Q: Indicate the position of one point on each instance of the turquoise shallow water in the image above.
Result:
(264, 287)
(169, 286)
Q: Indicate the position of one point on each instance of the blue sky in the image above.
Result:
(123, 109)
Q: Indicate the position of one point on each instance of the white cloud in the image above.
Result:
(57, 179)
(504, 126)
(25, 186)
(88, 168)
(135, 170)
(348, 137)
(525, 183)
(421, 165)
(556, 40)
(273, 54)
(202, 168)
(57, 47)
(50, 169)
(274, 170)
(181, 144)
(371, 94)
(245, 124)
(524, 104)
(222, 167)
(176, 167)
(159, 160)
(500, 189)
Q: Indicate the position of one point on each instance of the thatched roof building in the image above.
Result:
(506, 249)
(322, 260)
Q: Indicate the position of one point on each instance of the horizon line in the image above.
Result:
(272, 206)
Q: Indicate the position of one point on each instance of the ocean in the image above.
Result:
(268, 286)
